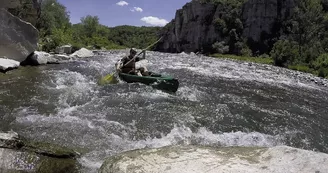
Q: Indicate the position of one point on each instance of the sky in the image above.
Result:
(128, 12)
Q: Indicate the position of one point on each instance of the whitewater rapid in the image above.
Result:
(219, 103)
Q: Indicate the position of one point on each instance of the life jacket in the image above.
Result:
(130, 66)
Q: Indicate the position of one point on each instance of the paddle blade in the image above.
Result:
(108, 79)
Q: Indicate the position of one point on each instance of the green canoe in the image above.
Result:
(158, 81)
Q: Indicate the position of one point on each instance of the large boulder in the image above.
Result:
(18, 39)
(66, 49)
(8, 64)
(20, 161)
(82, 53)
(27, 10)
(19, 155)
(193, 159)
(40, 58)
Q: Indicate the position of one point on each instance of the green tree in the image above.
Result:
(53, 15)
(90, 24)
(284, 53)
(307, 24)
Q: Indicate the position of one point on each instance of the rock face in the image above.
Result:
(190, 29)
(261, 19)
(27, 10)
(192, 159)
(18, 39)
(193, 27)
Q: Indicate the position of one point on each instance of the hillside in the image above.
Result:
(293, 33)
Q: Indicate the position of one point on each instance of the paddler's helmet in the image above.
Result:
(133, 51)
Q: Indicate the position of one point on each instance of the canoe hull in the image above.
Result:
(155, 80)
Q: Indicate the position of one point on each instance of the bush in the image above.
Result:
(220, 47)
(321, 65)
(245, 51)
(284, 53)
(321, 62)
(264, 56)
(302, 68)
(220, 25)
(323, 72)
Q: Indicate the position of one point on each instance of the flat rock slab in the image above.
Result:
(16, 162)
(8, 64)
(19, 155)
(192, 159)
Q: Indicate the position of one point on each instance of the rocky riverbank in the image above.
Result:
(297, 75)
(42, 58)
(20, 155)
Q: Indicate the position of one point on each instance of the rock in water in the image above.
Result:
(37, 58)
(18, 155)
(192, 159)
(10, 140)
(82, 53)
(7, 64)
(67, 49)
(18, 39)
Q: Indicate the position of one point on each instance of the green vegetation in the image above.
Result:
(261, 60)
(56, 30)
(298, 41)
(300, 45)
(229, 25)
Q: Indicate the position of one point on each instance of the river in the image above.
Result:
(219, 103)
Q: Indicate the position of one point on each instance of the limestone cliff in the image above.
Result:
(190, 29)
(262, 21)
(193, 27)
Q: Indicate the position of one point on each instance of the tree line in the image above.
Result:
(299, 41)
(56, 30)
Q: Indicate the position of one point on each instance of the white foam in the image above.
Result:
(203, 136)
(191, 93)
(178, 135)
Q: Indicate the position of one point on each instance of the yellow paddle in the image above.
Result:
(111, 79)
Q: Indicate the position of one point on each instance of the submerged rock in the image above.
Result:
(192, 159)
(62, 58)
(8, 64)
(20, 155)
(10, 140)
(18, 39)
(20, 161)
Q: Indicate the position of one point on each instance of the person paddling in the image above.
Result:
(128, 64)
